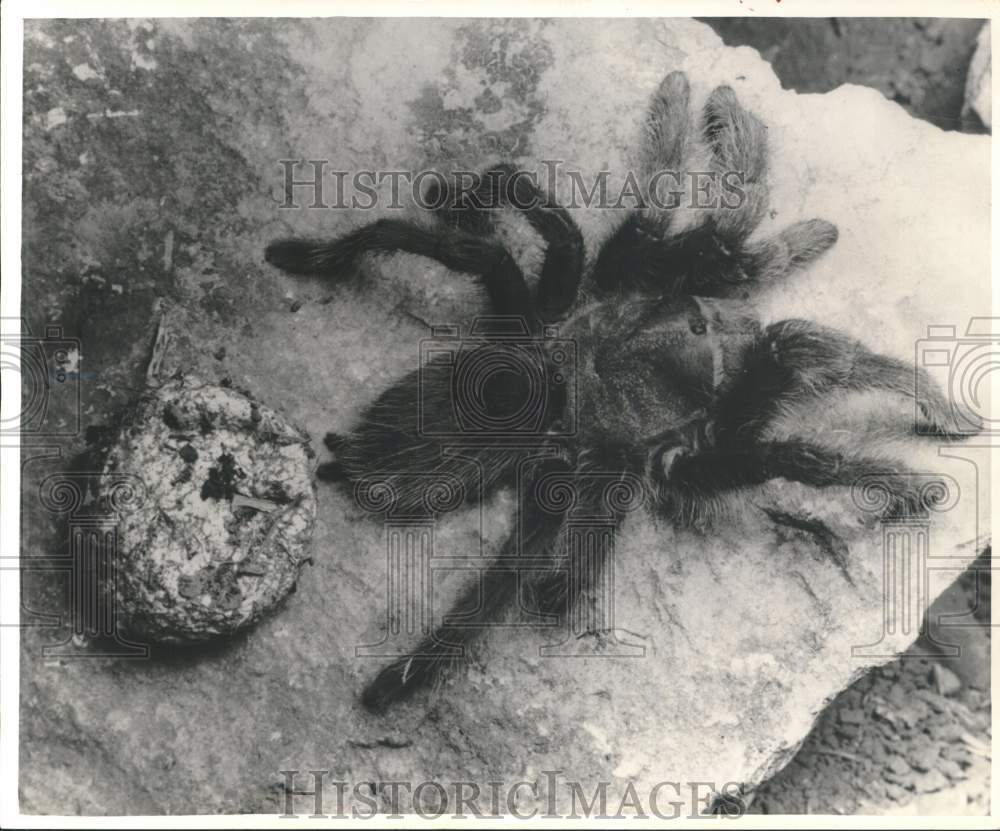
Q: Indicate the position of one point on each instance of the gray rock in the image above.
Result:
(852, 716)
(895, 792)
(951, 769)
(945, 681)
(899, 766)
(978, 83)
(932, 781)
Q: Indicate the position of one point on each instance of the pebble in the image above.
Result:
(952, 769)
(933, 781)
(848, 731)
(852, 716)
(932, 699)
(924, 758)
(903, 780)
(932, 60)
(895, 792)
(944, 731)
(55, 117)
(899, 766)
(958, 753)
(945, 681)
(84, 72)
(910, 716)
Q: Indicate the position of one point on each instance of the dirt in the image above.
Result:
(911, 737)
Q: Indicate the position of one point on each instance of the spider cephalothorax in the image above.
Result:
(659, 370)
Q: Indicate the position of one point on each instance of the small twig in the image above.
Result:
(264, 505)
(157, 353)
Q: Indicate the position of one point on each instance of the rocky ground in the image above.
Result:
(911, 737)
(920, 63)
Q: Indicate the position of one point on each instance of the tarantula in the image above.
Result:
(675, 381)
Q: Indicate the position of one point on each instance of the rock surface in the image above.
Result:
(978, 83)
(915, 752)
(746, 630)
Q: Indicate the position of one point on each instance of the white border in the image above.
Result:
(12, 14)
(499, 8)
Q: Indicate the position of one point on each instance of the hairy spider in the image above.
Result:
(674, 383)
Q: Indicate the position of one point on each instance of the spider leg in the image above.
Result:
(686, 482)
(506, 186)
(471, 205)
(644, 253)
(641, 255)
(667, 126)
(578, 587)
(737, 140)
(797, 358)
(434, 655)
(789, 250)
(454, 248)
(479, 607)
(712, 258)
(580, 558)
